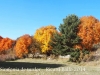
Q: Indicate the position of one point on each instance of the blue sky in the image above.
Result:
(19, 17)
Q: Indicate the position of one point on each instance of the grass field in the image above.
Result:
(30, 66)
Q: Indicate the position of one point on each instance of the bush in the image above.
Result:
(79, 55)
(75, 56)
(8, 55)
(34, 47)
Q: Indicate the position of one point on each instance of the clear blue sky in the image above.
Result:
(19, 17)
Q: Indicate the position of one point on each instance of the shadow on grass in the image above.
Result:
(26, 65)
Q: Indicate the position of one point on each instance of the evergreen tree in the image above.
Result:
(57, 44)
(64, 44)
(69, 31)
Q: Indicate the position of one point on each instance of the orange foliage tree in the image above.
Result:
(43, 36)
(22, 44)
(89, 32)
(5, 44)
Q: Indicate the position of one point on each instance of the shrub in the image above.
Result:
(34, 47)
(9, 55)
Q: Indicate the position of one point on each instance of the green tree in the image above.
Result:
(64, 44)
(56, 44)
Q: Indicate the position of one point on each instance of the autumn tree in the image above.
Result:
(22, 44)
(43, 36)
(89, 32)
(5, 44)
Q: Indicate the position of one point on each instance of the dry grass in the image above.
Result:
(48, 67)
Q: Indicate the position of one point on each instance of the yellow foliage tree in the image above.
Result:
(43, 36)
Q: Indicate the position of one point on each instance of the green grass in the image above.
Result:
(47, 67)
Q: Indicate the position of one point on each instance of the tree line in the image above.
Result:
(76, 37)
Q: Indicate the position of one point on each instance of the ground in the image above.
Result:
(31, 66)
